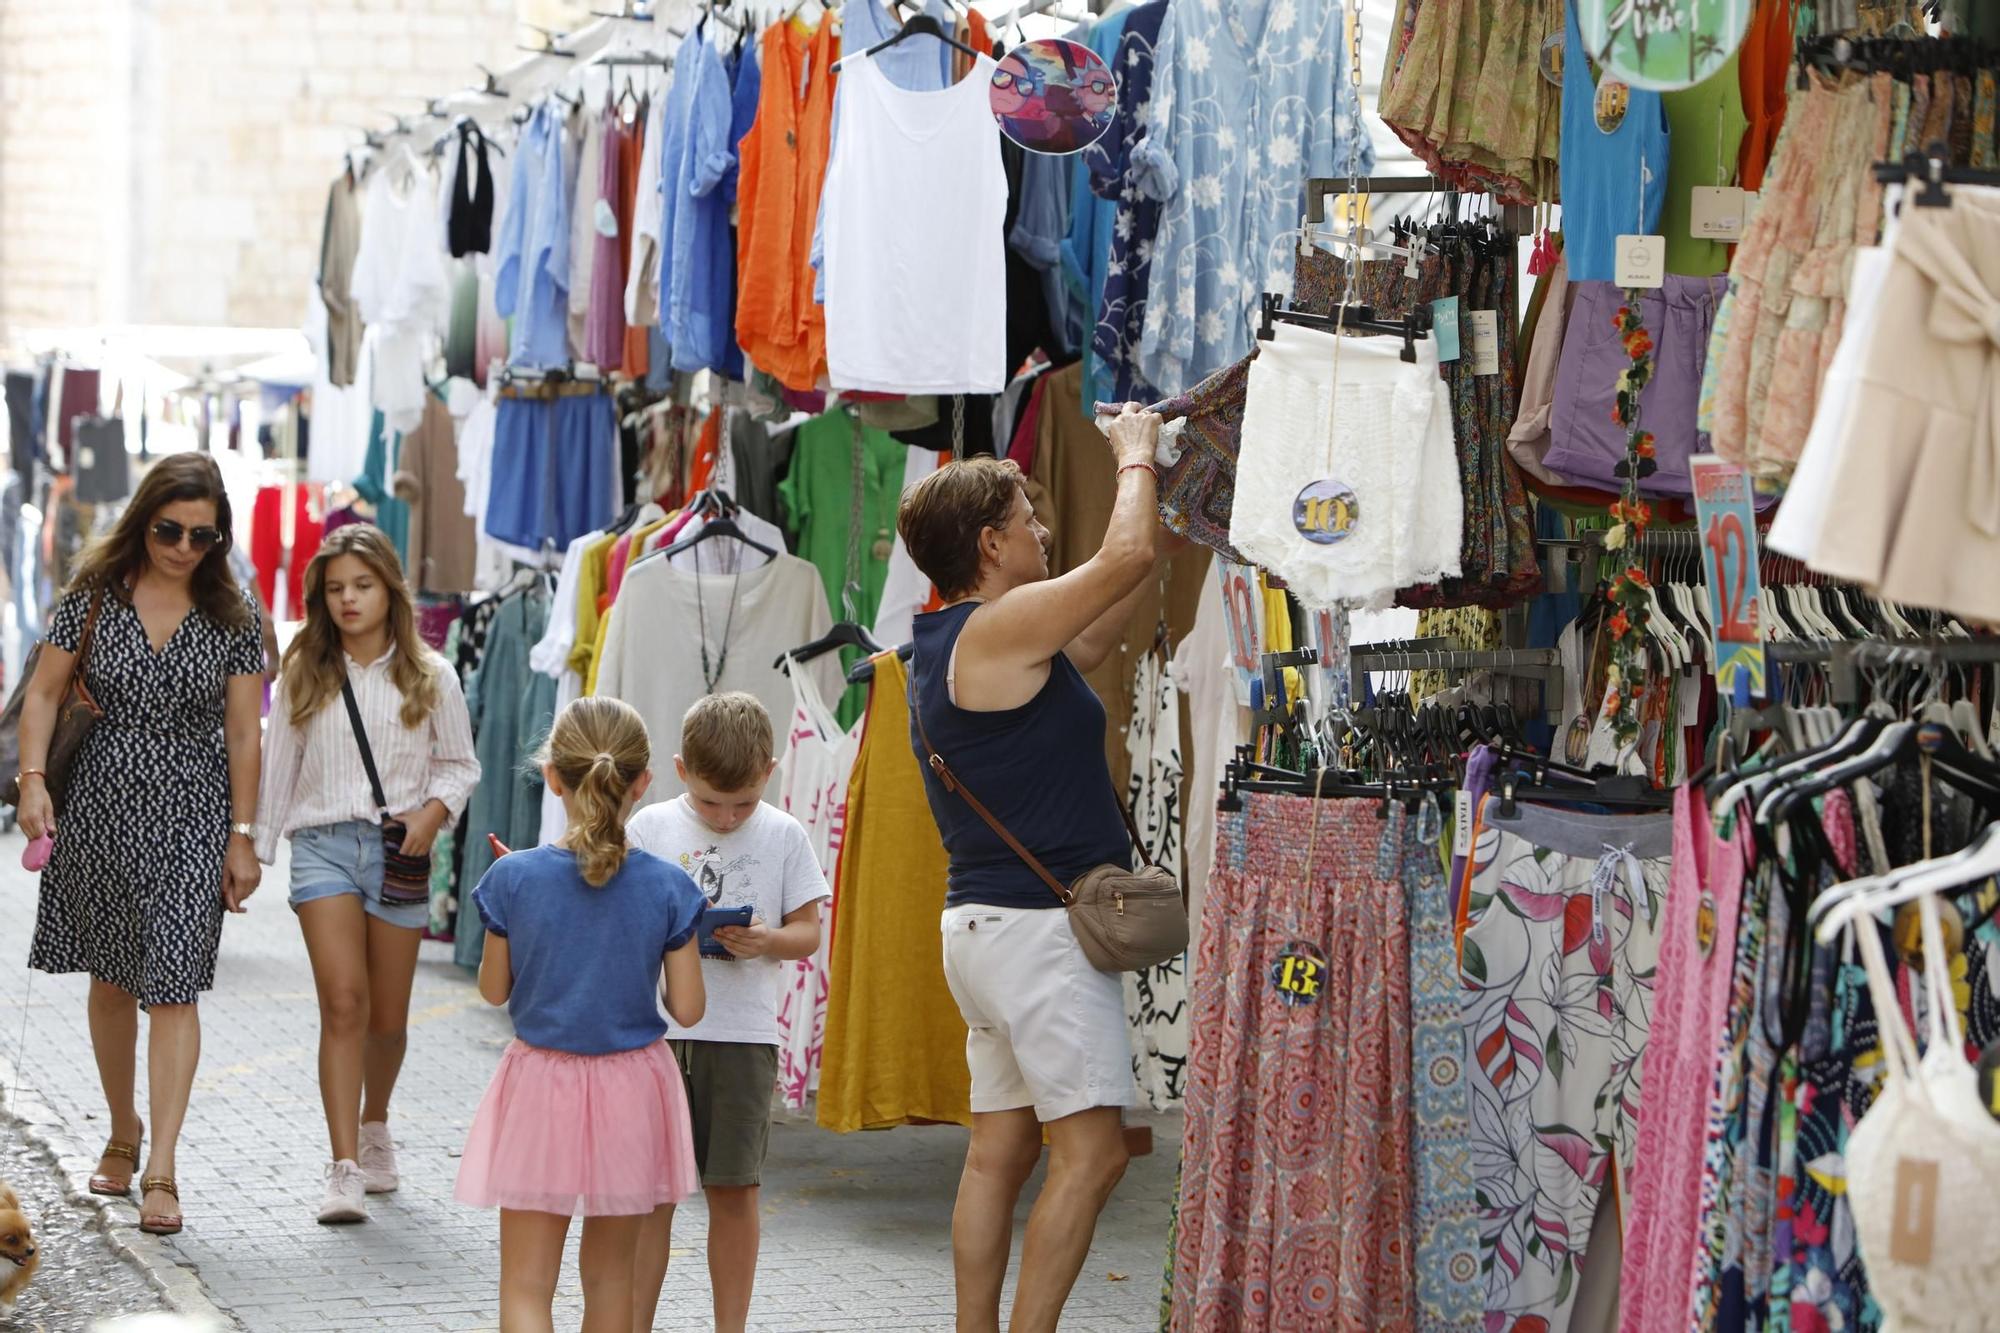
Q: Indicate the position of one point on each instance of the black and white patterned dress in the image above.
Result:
(132, 893)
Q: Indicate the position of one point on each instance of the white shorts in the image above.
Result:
(1045, 1028)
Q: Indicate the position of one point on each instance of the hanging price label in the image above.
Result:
(1641, 261)
(1444, 327)
(1486, 342)
(1715, 213)
(1728, 523)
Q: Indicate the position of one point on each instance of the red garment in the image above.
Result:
(1763, 72)
(638, 343)
(706, 448)
(1021, 450)
(81, 397)
(267, 545)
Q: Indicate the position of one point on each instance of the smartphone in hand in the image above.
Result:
(711, 917)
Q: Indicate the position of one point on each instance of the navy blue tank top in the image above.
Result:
(1039, 768)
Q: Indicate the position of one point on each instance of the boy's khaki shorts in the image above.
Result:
(729, 1088)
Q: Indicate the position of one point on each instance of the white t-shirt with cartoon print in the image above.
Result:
(767, 864)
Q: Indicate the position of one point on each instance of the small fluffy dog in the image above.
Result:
(17, 1247)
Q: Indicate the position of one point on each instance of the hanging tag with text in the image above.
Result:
(1485, 342)
(1717, 213)
(1641, 261)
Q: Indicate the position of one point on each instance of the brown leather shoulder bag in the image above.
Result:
(76, 715)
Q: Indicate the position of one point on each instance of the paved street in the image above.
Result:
(81, 1275)
(856, 1230)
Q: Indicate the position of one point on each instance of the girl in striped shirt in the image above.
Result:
(355, 668)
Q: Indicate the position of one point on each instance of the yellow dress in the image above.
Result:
(590, 580)
(637, 548)
(895, 1044)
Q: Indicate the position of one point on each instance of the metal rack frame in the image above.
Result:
(1848, 658)
(1516, 218)
(1538, 664)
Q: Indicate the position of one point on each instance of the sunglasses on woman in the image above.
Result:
(169, 533)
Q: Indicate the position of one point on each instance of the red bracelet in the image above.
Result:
(1134, 467)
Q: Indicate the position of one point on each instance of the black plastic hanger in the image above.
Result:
(864, 670)
(922, 25)
(716, 527)
(844, 634)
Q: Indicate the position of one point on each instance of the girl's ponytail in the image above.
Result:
(599, 748)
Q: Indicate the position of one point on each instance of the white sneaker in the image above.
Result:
(378, 1158)
(346, 1195)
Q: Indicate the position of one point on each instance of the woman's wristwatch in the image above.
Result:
(243, 830)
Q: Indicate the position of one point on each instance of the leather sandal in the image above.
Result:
(111, 1186)
(162, 1224)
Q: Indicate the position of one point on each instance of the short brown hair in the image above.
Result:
(726, 741)
(944, 514)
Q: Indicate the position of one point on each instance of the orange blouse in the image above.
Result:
(783, 168)
(1764, 74)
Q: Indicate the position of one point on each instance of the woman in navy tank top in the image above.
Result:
(997, 680)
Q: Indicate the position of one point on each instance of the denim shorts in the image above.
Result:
(332, 859)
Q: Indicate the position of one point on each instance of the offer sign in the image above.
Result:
(1728, 522)
(1243, 604)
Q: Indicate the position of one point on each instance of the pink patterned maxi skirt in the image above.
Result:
(1297, 1194)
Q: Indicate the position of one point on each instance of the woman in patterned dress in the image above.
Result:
(155, 836)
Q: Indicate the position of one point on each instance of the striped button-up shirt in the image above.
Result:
(313, 774)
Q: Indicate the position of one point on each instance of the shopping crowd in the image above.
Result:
(646, 1019)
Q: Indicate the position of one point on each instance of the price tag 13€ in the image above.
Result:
(1299, 974)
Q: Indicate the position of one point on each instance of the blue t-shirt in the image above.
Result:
(587, 960)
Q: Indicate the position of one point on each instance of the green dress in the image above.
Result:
(818, 496)
(1706, 123)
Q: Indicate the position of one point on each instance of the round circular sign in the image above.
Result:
(1052, 96)
(1552, 60)
(1661, 45)
(1299, 975)
(1326, 511)
(1614, 99)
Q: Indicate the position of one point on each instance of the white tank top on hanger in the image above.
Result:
(1923, 1164)
(916, 199)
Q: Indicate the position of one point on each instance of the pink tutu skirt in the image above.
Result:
(581, 1135)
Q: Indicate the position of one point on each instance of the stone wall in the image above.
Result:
(166, 161)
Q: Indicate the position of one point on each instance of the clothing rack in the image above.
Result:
(1653, 539)
(1019, 12)
(1538, 664)
(1243, 773)
(1848, 658)
(1414, 324)
(528, 80)
(1516, 218)
(1935, 173)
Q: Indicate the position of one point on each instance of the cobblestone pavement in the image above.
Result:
(856, 1227)
(81, 1276)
